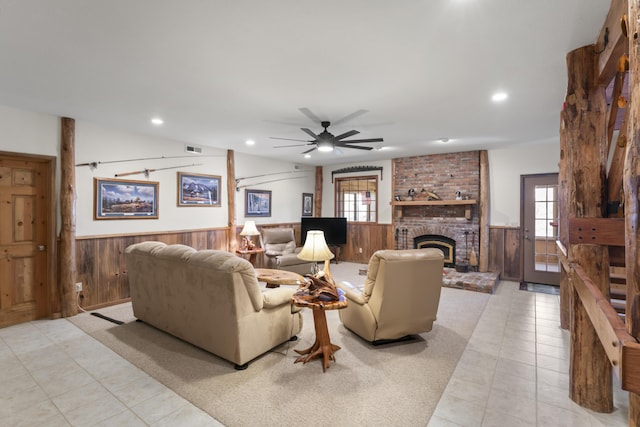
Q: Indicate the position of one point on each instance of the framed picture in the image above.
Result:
(125, 199)
(307, 204)
(196, 189)
(257, 203)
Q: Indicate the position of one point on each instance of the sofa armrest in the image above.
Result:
(278, 296)
(352, 292)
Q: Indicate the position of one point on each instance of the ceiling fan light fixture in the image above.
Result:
(325, 146)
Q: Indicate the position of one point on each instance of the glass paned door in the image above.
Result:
(540, 222)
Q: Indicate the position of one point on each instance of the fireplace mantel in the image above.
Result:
(467, 203)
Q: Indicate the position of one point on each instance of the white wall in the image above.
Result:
(506, 165)
(384, 188)
(286, 181)
(34, 133)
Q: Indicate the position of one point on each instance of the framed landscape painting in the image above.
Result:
(125, 199)
(257, 203)
(198, 190)
(307, 204)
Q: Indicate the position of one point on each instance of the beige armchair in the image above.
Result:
(399, 298)
(280, 251)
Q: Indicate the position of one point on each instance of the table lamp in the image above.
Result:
(249, 230)
(315, 249)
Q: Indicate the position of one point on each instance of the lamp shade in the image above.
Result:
(315, 247)
(249, 229)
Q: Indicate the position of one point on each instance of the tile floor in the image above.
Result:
(513, 372)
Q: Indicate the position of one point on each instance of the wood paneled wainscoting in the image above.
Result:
(368, 236)
(102, 269)
(505, 252)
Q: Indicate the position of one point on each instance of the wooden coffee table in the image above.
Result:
(322, 347)
(274, 278)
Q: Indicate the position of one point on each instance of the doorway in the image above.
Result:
(26, 237)
(539, 207)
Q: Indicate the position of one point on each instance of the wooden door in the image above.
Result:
(541, 262)
(24, 204)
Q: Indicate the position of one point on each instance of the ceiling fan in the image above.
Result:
(326, 141)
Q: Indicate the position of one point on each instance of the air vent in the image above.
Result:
(193, 149)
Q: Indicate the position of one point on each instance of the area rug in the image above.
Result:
(395, 384)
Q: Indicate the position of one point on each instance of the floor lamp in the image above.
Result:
(315, 249)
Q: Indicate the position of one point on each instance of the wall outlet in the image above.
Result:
(79, 287)
(360, 250)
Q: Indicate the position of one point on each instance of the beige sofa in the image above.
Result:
(399, 298)
(211, 299)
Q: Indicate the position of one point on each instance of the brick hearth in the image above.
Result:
(471, 281)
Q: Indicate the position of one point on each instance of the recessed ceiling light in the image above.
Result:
(250, 142)
(157, 121)
(307, 156)
(444, 140)
(500, 96)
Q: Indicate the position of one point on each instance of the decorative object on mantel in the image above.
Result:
(353, 169)
(426, 195)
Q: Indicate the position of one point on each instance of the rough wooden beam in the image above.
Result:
(484, 219)
(614, 177)
(617, 45)
(231, 201)
(585, 130)
(318, 193)
(596, 231)
(67, 255)
(614, 107)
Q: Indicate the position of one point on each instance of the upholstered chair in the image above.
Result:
(399, 297)
(280, 251)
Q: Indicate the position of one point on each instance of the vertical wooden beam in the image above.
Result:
(631, 182)
(484, 219)
(231, 201)
(590, 383)
(318, 193)
(564, 174)
(68, 217)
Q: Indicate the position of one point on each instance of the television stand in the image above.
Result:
(335, 249)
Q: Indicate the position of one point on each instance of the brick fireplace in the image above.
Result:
(449, 176)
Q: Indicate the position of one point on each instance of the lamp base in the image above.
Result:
(248, 243)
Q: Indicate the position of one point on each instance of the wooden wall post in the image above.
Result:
(317, 203)
(231, 201)
(485, 198)
(584, 127)
(67, 258)
(631, 182)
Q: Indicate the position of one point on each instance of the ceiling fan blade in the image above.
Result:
(309, 114)
(285, 146)
(346, 135)
(289, 139)
(357, 147)
(308, 132)
(308, 151)
(350, 117)
(363, 140)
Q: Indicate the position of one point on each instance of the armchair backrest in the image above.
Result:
(278, 241)
(403, 288)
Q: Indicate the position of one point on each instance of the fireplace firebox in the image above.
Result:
(444, 243)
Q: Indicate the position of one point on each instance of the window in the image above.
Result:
(356, 198)
(546, 230)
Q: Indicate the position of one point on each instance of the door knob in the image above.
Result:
(42, 248)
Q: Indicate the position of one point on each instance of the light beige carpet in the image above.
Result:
(396, 384)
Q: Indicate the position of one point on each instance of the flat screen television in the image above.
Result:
(335, 229)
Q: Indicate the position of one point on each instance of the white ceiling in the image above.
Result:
(221, 72)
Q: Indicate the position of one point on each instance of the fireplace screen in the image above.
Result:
(445, 244)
